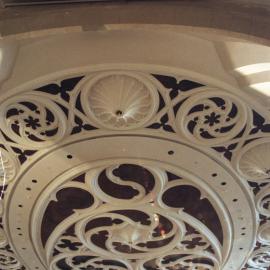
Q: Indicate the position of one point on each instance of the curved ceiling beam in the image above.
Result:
(250, 18)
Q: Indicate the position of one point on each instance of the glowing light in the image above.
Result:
(263, 88)
(252, 69)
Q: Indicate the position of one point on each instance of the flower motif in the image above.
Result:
(163, 124)
(32, 122)
(190, 244)
(35, 120)
(63, 90)
(23, 154)
(176, 86)
(226, 150)
(259, 124)
(81, 126)
(120, 101)
(212, 119)
(66, 243)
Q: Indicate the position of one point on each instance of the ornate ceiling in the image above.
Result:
(119, 166)
(131, 170)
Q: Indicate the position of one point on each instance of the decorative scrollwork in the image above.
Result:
(30, 120)
(255, 162)
(134, 222)
(211, 117)
(117, 235)
(120, 100)
(179, 261)
(133, 234)
(264, 234)
(123, 183)
(263, 201)
(8, 260)
(8, 167)
(127, 216)
(89, 261)
(260, 258)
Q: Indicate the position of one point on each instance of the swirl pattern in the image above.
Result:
(27, 120)
(132, 227)
(211, 117)
(8, 260)
(181, 261)
(260, 259)
(134, 216)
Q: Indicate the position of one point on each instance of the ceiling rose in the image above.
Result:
(119, 100)
(124, 170)
(255, 162)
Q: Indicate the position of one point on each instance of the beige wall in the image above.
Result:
(248, 17)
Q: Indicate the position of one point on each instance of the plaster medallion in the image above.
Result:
(32, 121)
(255, 162)
(120, 100)
(211, 117)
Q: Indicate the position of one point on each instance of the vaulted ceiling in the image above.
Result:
(134, 147)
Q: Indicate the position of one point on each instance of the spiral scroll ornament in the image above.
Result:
(131, 228)
(30, 120)
(146, 172)
(211, 117)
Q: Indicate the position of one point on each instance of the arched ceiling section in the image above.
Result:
(248, 17)
(231, 62)
(134, 147)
